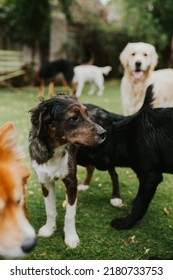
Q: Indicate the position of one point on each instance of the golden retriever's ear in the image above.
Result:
(124, 56)
(154, 57)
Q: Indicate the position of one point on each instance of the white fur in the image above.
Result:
(12, 248)
(113, 201)
(56, 167)
(50, 204)
(134, 84)
(92, 74)
(71, 237)
(82, 187)
(116, 201)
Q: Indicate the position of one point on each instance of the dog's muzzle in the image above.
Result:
(101, 133)
(138, 65)
(28, 246)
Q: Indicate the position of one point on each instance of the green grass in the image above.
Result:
(153, 235)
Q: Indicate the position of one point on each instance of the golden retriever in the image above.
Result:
(139, 60)
(17, 236)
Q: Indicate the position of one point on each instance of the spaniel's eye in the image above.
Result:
(133, 54)
(145, 54)
(74, 118)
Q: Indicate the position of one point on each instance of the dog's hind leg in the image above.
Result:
(71, 236)
(147, 187)
(115, 200)
(48, 190)
(86, 183)
(92, 89)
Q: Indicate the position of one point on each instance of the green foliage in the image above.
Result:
(26, 21)
(101, 40)
(65, 6)
(150, 21)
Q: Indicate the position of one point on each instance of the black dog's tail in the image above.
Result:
(149, 98)
(147, 105)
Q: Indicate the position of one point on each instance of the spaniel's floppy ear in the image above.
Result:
(36, 117)
(154, 57)
(39, 124)
(124, 56)
(9, 140)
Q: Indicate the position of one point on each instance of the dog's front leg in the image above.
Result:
(71, 237)
(79, 89)
(116, 199)
(48, 189)
(86, 183)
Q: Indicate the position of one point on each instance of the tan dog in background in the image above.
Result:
(17, 236)
(139, 61)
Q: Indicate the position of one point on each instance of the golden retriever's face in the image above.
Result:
(16, 234)
(138, 59)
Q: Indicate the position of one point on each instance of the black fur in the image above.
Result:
(50, 69)
(101, 157)
(144, 142)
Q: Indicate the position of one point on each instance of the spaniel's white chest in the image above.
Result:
(56, 167)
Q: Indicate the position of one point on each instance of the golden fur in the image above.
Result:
(16, 234)
(139, 61)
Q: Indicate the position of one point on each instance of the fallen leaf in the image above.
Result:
(133, 239)
(146, 250)
(165, 211)
(31, 192)
(122, 205)
(64, 204)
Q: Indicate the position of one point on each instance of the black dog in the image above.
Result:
(144, 142)
(101, 157)
(49, 70)
(59, 126)
(147, 147)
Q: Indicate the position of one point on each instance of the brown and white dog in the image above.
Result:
(59, 125)
(17, 236)
(139, 61)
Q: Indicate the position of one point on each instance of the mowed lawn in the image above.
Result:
(152, 236)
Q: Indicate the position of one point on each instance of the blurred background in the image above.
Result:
(46, 30)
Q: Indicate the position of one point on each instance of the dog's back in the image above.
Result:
(50, 69)
(104, 155)
(89, 72)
